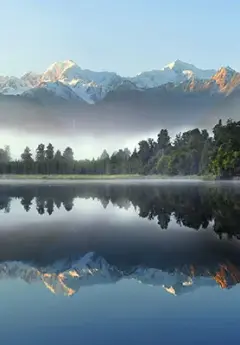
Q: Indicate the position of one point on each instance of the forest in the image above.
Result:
(194, 152)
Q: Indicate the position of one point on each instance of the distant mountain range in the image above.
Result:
(178, 95)
(67, 277)
(67, 80)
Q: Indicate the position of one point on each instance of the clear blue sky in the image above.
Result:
(125, 36)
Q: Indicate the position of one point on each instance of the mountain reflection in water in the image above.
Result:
(66, 257)
(92, 269)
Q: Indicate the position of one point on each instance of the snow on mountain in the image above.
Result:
(52, 88)
(13, 86)
(56, 70)
(224, 81)
(17, 86)
(88, 91)
(31, 79)
(69, 71)
(88, 85)
(175, 72)
(67, 80)
(63, 79)
(155, 78)
(189, 70)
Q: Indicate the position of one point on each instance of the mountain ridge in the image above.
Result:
(109, 102)
(92, 87)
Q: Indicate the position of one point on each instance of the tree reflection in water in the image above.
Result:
(191, 205)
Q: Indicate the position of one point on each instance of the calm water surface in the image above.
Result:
(119, 263)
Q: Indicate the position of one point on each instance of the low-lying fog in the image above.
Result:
(91, 129)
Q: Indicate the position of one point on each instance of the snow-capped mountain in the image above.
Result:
(13, 86)
(31, 79)
(55, 88)
(67, 277)
(224, 81)
(175, 72)
(67, 80)
(17, 86)
(87, 85)
(189, 70)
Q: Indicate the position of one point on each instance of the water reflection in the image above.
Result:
(67, 277)
(195, 206)
(131, 261)
(177, 270)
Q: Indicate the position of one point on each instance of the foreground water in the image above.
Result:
(119, 263)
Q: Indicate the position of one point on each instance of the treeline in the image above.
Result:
(193, 152)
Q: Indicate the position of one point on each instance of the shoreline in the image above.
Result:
(124, 177)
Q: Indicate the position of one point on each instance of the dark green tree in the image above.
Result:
(40, 159)
(68, 160)
(163, 140)
(58, 162)
(27, 160)
(49, 155)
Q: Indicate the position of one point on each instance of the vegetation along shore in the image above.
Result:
(192, 154)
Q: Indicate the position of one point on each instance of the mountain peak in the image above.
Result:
(230, 68)
(62, 64)
(189, 70)
(225, 73)
(57, 69)
(223, 77)
(178, 64)
(226, 69)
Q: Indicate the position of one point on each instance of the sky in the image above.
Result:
(124, 36)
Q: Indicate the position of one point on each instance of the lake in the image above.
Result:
(119, 262)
